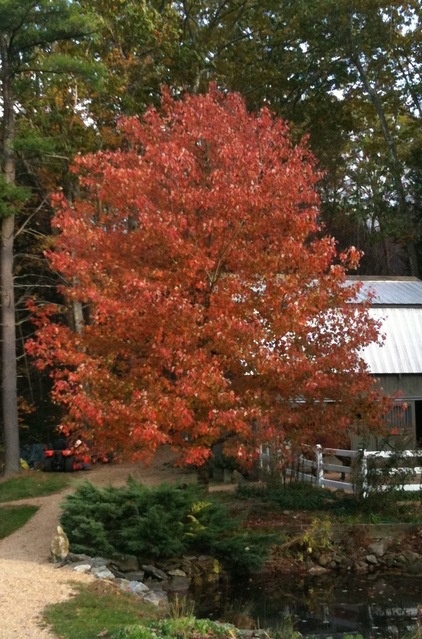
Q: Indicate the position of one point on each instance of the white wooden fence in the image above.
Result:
(323, 467)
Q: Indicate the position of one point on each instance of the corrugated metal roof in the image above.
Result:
(399, 292)
(401, 351)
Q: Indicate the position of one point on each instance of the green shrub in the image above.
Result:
(294, 496)
(180, 628)
(157, 523)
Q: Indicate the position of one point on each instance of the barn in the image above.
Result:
(397, 361)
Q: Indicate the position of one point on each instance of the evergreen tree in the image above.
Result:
(29, 31)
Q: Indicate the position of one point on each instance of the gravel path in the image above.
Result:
(28, 582)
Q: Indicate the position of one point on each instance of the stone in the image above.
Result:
(157, 598)
(102, 572)
(137, 587)
(177, 573)
(100, 561)
(177, 584)
(371, 559)
(324, 560)
(135, 575)
(360, 568)
(317, 570)
(153, 571)
(75, 558)
(415, 568)
(379, 548)
(126, 563)
(59, 547)
(411, 556)
(82, 568)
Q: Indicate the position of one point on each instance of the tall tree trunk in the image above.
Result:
(9, 372)
(395, 164)
(8, 335)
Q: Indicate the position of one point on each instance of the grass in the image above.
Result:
(339, 507)
(101, 610)
(32, 484)
(95, 611)
(14, 517)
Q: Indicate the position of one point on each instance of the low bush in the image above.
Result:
(180, 628)
(158, 523)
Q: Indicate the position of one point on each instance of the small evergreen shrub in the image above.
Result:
(158, 523)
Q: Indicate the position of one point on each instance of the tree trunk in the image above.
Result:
(395, 166)
(8, 335)
(9, 372)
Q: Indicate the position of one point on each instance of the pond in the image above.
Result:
(376, 606)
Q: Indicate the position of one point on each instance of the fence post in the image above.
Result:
(364, 474)
(319, 467)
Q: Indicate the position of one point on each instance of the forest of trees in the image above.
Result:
(345, 75)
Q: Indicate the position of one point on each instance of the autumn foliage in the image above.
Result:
(214, 308)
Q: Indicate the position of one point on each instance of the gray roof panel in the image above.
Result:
(401, 351)
(392, 292)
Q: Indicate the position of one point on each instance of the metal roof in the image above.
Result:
(394, 291)
(401, 351)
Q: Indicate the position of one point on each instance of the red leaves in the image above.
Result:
(210, 294)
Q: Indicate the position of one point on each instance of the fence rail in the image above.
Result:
(321, 466)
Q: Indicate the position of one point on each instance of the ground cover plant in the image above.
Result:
(31, 484)
(95, 609)
(158, 523)
(14, 517)
(391, 507)
(179, 628)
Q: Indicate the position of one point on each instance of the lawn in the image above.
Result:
(14, 517)
(32, 484)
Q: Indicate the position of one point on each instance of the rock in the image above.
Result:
(379, 548)
(154, 572)
(102, 572)
(371, 559)
(360, 568)
(126, 563)
(415, 568)
(135, 575)
(177, 573)
(99, 561)
(157, 598)
(59, 547)
(317, 570)
(74, 558)
(82, 568)
(324, 560)
(177, 584)
(205, 570)
(137, 587)
(411, 556)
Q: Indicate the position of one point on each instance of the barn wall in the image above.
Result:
(408, 386)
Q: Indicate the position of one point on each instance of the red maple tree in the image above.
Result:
(215, 309)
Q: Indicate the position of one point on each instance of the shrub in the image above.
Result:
(157, 523)
(180, 628)
(295, 496)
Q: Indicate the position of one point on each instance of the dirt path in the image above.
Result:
(28, 582)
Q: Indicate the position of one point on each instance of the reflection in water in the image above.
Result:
(377, 606)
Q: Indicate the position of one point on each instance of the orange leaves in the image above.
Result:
(213, 309)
